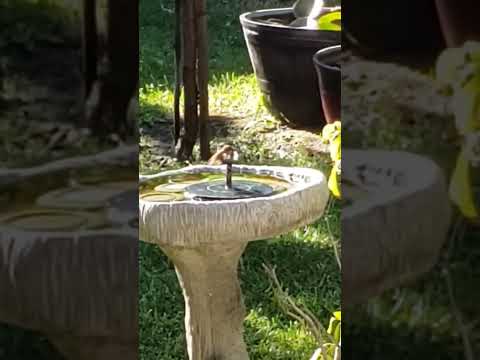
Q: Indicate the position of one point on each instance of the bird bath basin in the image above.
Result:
(205, 237)
(394, 222)
(69, 257)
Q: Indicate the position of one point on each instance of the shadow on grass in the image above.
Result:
(151, 113)
(156, 121)
(157, 145)
(21, 344)
(416, 321)
(399, 343)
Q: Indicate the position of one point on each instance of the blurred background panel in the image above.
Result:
(410, 229)
(68, 179)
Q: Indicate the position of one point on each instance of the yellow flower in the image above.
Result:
(460, 190)
(335, 326)
(336, 149)
(331, 134)
(334, 180)
(331, 21)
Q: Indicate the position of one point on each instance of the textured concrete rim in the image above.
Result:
(394, 235)
(72, 282)
(190, 223)
(89, 221)
(55, 199)
(428, 171)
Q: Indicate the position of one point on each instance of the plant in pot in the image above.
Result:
(281, 45)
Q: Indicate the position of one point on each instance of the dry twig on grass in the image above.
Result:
(304, 316)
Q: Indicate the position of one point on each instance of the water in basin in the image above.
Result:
(177, 187)
(70, 201)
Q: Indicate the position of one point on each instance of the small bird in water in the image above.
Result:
(226, 153)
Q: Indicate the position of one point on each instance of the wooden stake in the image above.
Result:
(179, 5)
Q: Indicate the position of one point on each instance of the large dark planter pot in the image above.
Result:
(282, 58)
(327, 64)
(393, 27)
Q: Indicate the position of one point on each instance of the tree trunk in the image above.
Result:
(189, 137)
(202, 46)
(179, 6)
(116, 77)
(214, 309)
(191, 55)
(123, 49)
(89, 46)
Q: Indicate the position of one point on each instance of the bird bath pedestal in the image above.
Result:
(205, 240)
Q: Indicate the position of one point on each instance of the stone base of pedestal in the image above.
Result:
(214, 309)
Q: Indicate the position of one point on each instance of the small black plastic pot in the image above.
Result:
(327, 65)
(281, 57)
(459, 20)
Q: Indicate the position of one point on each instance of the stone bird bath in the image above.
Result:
(69, 268)
(205, 240)
(395, 227)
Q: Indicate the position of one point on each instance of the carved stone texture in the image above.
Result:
(395, 233)
(213, 300)
(205, 240)
(77, 288)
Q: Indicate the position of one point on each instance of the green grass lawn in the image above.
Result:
(232, 83)
(305, 259)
